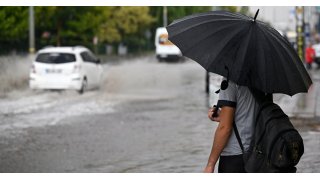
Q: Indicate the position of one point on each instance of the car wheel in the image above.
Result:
(83, 86)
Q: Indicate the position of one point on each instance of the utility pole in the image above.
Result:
(300, 31)
(165, 16)
(31, 31)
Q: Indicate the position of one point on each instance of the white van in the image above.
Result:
(65, 68)
(165, 49)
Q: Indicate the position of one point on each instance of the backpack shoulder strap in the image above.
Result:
(236, 132)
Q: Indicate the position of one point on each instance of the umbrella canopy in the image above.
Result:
(255, 54)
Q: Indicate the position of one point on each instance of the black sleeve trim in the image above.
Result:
(222, 103)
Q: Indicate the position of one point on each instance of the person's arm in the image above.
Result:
(221, 136)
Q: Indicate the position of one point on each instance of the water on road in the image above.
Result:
(146, 117)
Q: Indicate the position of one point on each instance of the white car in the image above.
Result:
(65, 68)
(164, 48)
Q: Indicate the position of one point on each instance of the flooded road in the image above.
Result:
(146, 117)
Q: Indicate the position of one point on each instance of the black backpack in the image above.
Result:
(276, 146)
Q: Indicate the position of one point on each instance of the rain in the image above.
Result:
(146, 115)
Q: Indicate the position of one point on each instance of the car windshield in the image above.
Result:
(55, 58)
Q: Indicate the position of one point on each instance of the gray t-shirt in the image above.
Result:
(246, 106)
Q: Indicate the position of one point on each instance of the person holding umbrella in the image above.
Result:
(238, 105)
(253, 57)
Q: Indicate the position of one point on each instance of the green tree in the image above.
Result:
(181, 11)
(108, 31)
(118, 23)
(44, 24)
(68, 25)
(78, 25)
(244, 10)
(13, 28)
(125, 25)
(83, 26)
(229, 8)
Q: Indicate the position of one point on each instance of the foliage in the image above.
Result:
(69, 26)
(13, 27)
(120, 22)
(244, 10)
(229, 8)
(13, 23)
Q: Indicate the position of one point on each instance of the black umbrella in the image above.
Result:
(250, 51)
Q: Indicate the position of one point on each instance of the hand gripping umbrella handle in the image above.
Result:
(215, 112)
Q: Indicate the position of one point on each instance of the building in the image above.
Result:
(283, 17)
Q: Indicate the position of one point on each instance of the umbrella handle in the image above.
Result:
(215, 112)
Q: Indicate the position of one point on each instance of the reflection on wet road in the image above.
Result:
(146, 117)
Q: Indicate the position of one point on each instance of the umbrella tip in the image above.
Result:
(255, 16)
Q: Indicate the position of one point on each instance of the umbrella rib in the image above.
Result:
(265, 62)
(245, 54)
(223, 48)
(223, 38)
(199, 24)
(264, 33)
(265, 68)
(274, 32)
(305, 81)
(291, 54)
(211, 13)
(237, 15)
(206, 37)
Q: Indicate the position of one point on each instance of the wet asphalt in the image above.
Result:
(146, 117)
